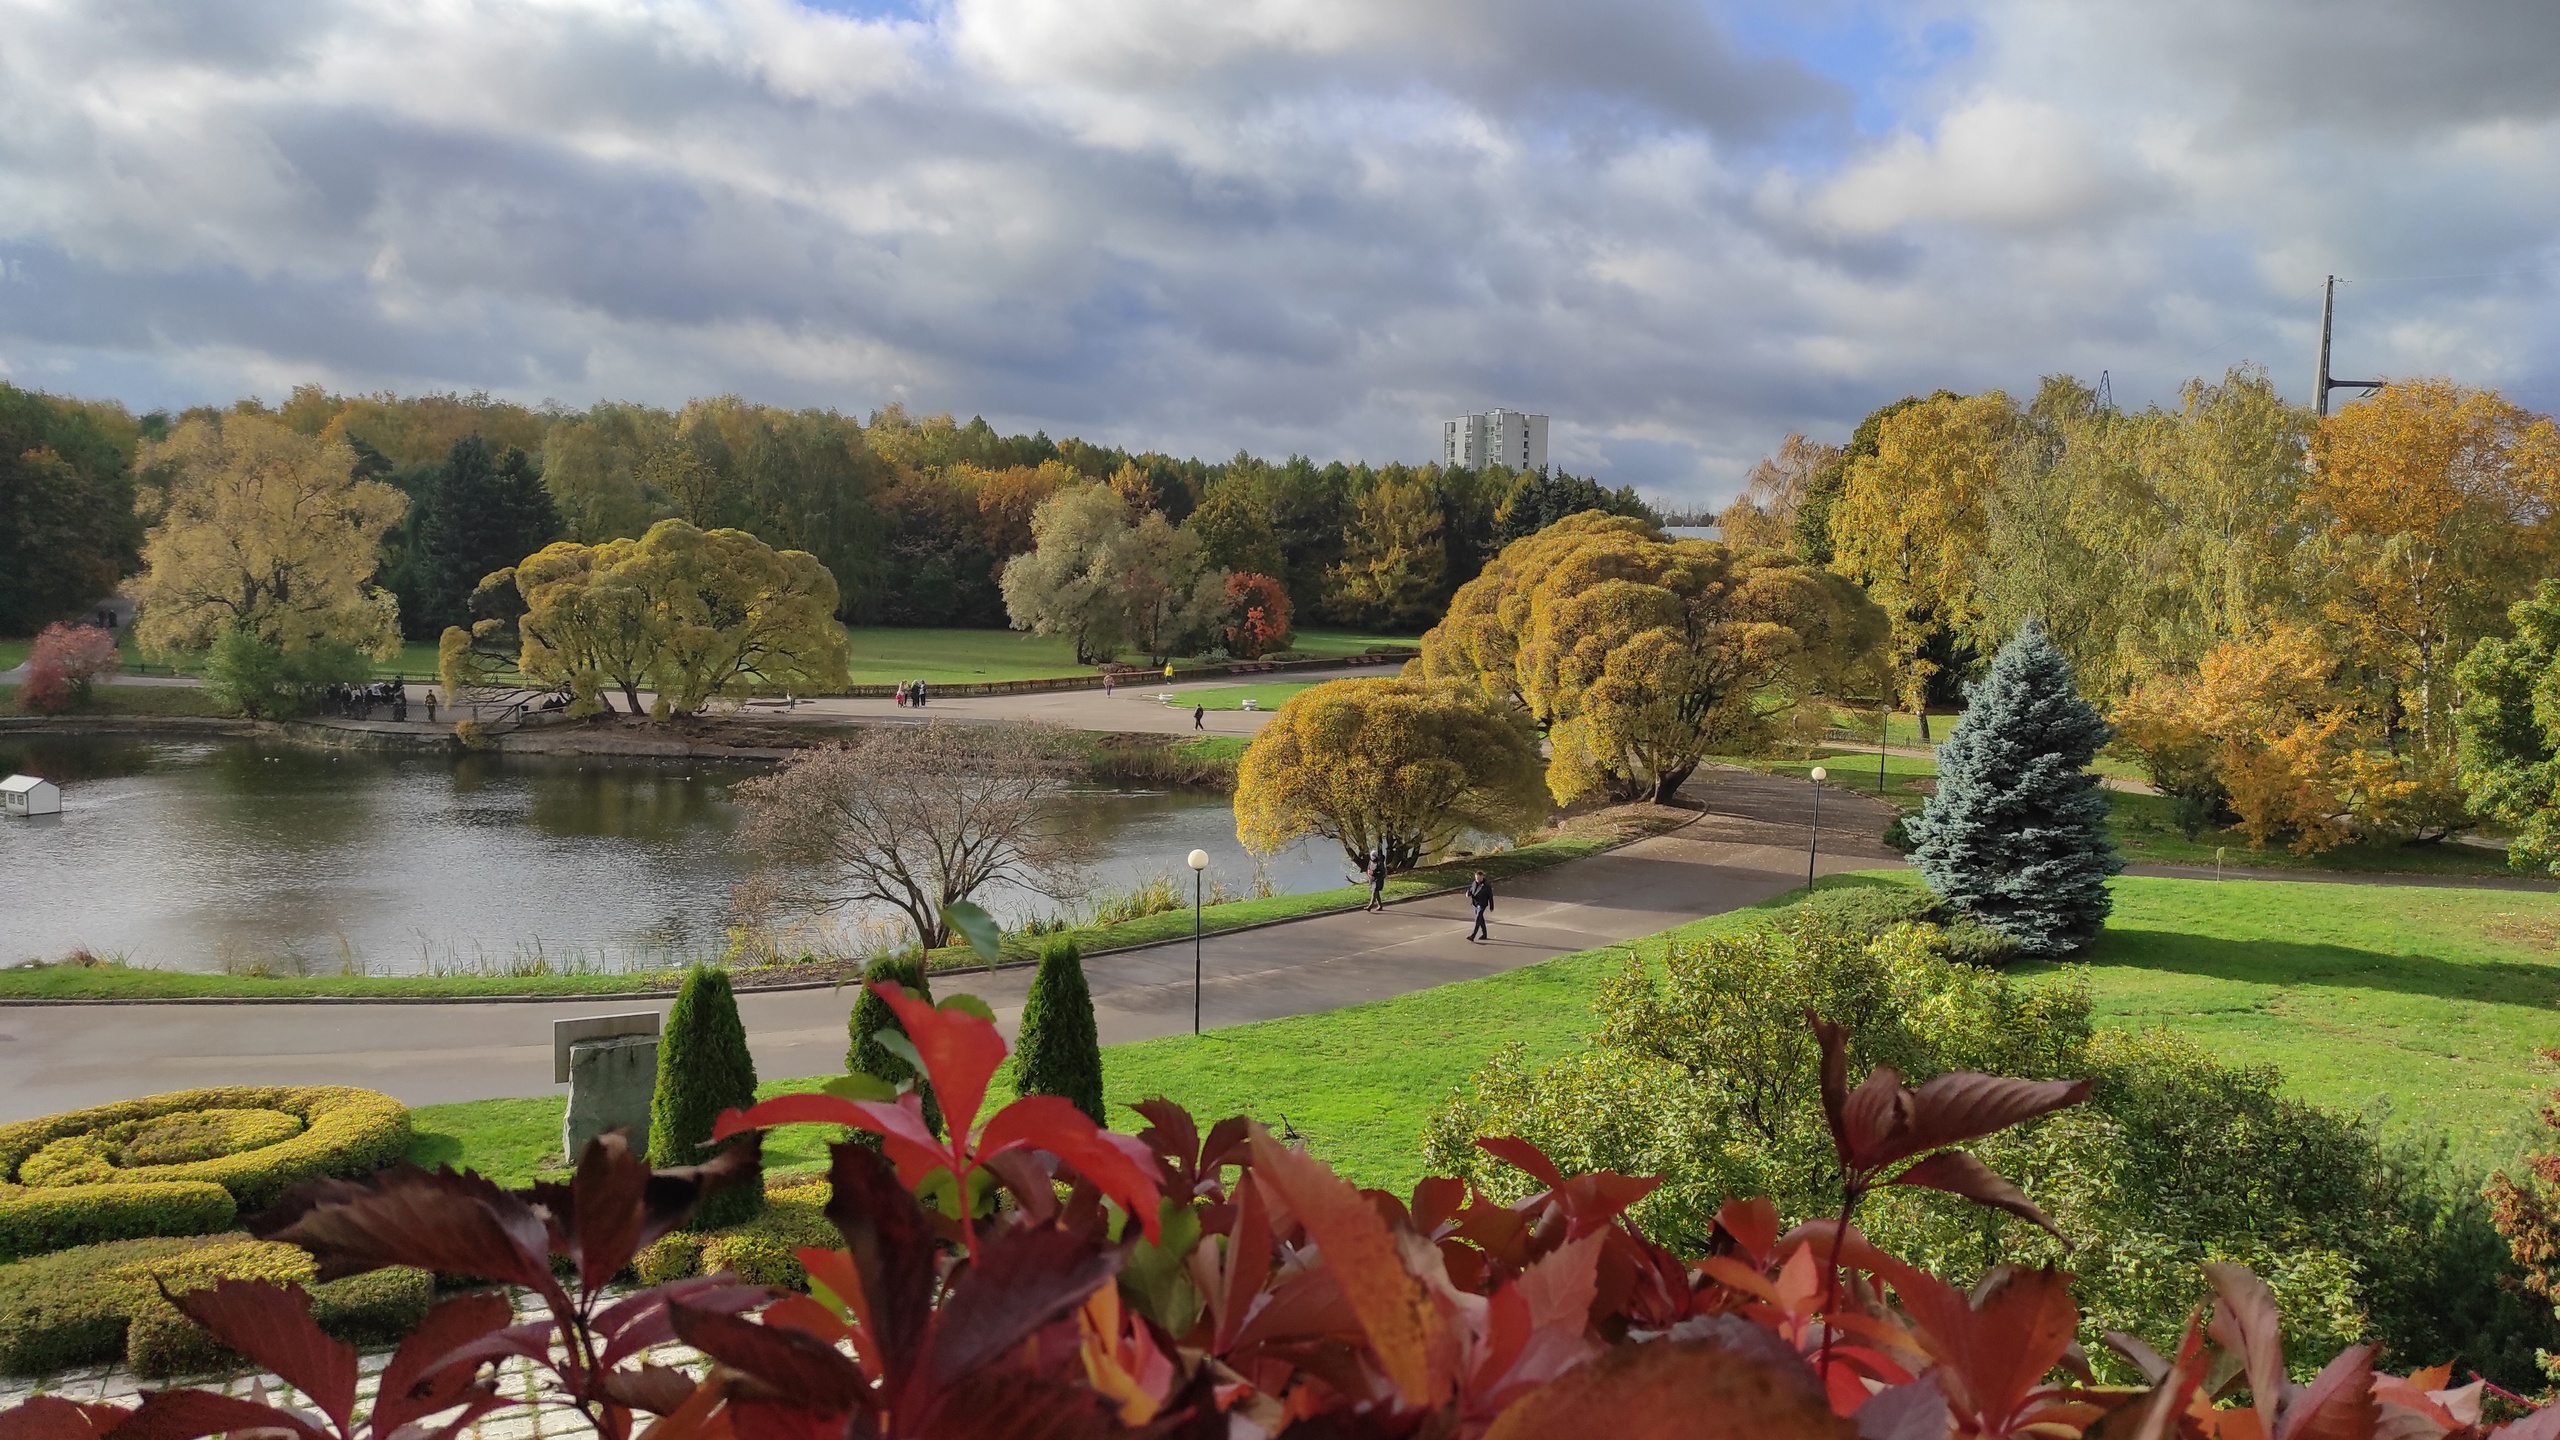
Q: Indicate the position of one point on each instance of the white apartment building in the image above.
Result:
(1517, 441)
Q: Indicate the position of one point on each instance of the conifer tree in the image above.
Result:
(703, 1069)
(2016, 833)
(871, 1015)
(1059, 1051)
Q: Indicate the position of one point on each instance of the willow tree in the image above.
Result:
(1641, 656)
(1400, 767)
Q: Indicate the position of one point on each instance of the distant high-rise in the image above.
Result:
(1507, 437)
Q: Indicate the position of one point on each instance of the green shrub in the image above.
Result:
(1059, 1051)
(254, 1141)
(871, 1015)
(1874, 909)
(1704, 1072)
(703, 1069)
(33, 1221)
(761, 1251)
(99, 1303)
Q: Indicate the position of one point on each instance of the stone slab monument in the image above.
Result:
(610, 1064)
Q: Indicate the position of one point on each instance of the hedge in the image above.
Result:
(255, 1141)
(760, 1251)
(33, 1221)
(98, 1303)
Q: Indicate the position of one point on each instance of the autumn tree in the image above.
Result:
(64, 663)
(1255, 617)
(266, 532)
(1389, 578)
(1640, 657)
(1764, 515)
(1104, 576)
(1912, 520)
(913, 818)
(1399, 766)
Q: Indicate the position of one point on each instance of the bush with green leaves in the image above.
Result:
(1704, 1071)
(251, 676)
(867, 1053)
(1059, 1051)
(761, 1251)
(703, 1069)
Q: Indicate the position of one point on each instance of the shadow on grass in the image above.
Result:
(2291, 962)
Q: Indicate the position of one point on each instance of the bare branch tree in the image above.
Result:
(916, 817)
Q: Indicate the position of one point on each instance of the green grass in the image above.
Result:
(127, 700)
(1232, 697)
(13, 653)
(885, 655)
(2144, 830)
(2421, 1006)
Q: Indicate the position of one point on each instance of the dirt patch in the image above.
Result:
(2533, 932)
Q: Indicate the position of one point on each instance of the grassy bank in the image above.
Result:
(2422, 1007)
(2144, 826)
(126, 700)
(95, 978)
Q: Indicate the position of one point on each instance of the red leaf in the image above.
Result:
(1963, 1106)
(1413, 1345)
(409, 1389)
(639, 1322)
(50, 1417)
(656, 1389)
(1671, 1390)
(193, 1414)
(2337, 1404)
(893, 1251)
(1958, 1173)
(272, 1326)
(1835, 1082)
(1437, 1199)
(1752, 1226)
(1247, 1263)
(801, 1366)
(2245, 1322)
(960, 1052)
(812, 1108)
(596, 1217)
(2542, 1424)
(448, 1223)
(1022, 1279)
(1117, 1164)
(1998, 1348)
(1522, 1155)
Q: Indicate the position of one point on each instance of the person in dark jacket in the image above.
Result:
(1377, 880)
(1198, 714)
(1480, 895)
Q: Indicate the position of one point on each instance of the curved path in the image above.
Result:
(1747, 847)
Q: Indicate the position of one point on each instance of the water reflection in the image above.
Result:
(201, 855)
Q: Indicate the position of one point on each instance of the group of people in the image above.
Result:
(911, 693)
(358, 702)
(1479, 895)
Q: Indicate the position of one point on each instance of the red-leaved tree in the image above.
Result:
(65, 661)
(1257, 616)
(1031, 1276)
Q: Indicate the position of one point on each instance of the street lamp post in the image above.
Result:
(1199, 860)
(1813, 837)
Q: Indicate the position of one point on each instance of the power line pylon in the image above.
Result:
(2328, 307)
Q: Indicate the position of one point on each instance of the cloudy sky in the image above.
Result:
(1681, 227)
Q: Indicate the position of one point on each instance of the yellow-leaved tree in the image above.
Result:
(1398, 766)
(1914, 519)
(265, 532)
(692, 614)
(1641, 656)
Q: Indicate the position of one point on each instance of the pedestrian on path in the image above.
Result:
(1106, 684)
(431, 707)
(1480, 895)
(1199, 713)
(1377, 880)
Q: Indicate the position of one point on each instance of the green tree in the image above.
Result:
(703, 1069)
(866, 1055)
(1059, 1051)
(481, 514)
(1540, 498)
(1401, 766)
(1065, 586)
(68, 531)
(1393, 557)
(591, 466)
(2016, 833)
(2509, 728)
(246, 675)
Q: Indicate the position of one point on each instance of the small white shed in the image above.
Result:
(29, 795)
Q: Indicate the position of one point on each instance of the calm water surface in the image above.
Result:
(204, 856)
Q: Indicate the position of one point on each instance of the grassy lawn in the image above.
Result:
(1264, 697)
(885, 655)
(13, 653)
(2422, 1007)
(2143, 828)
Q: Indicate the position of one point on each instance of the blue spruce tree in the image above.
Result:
(2016, 835)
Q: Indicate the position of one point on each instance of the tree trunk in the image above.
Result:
(1666, 786)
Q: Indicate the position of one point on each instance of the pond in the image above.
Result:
(242, 856)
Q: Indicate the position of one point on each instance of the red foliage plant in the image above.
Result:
(63, 663)
(1257, 616)
(1033, 1277)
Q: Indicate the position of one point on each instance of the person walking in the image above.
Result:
(1106, 684)
(1480, 895)
(431, 707)
(1377, 880)
(1199, 714)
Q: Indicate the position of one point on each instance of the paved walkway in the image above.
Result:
(1748, 847)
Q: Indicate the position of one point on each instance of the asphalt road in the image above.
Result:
(1748, 847)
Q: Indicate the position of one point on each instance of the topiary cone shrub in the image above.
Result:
(703, 1069)
(871, 1015)
(1059, 1052)
(2016, 835)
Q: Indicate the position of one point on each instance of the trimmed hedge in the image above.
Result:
(57, 1217)
(761, 1251)
(100, 1303)
(703, 1070)
(255, 1141)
